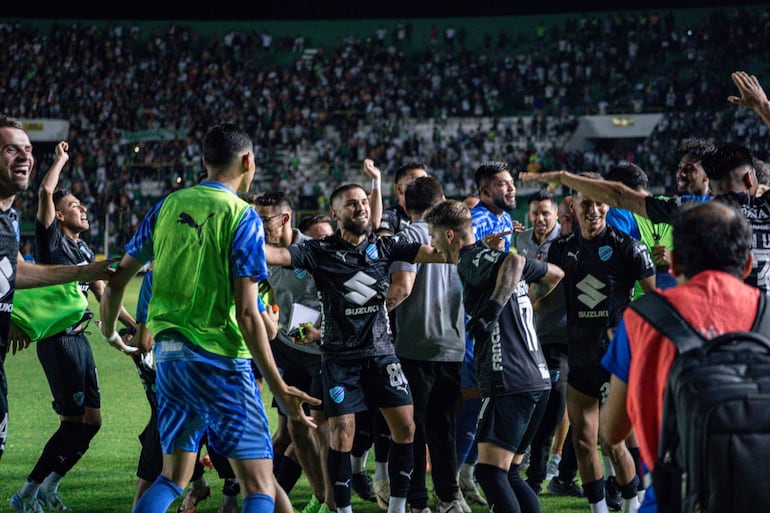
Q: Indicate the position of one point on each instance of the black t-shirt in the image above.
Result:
(599, 277)
(9, 251)
(757, 212)
(394, 220)
(352, 282)
(52, 246)
(661, 210)
(511, 359)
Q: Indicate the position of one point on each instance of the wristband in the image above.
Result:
(112, 338)
(376, 183)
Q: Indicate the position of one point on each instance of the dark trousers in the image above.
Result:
(435, 390)
(540, 449)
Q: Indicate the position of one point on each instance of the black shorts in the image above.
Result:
(352, 386)
(592, 381)
(151, 457)
(68, 363)
(511, 421)
(299, 369)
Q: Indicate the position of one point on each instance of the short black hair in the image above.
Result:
(724, 159)
(58, 195)
(628, 174)
(402, 170)
(223, 142)
(488, 170)
(712, 235)
(344, 188)
(274, 199)
(308, 221)
(695, 147)
(542, 195)
(421, 194)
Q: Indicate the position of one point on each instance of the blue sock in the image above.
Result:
(258, 503)
(158, 496)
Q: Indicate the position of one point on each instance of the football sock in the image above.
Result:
(497, 489)
(381, 471)
(338, 465)
(594, 491)
(258, 503)
(86, 433)
(289, 473)
(401, 458)
(158, 496)
(58, 447)
(527, 498)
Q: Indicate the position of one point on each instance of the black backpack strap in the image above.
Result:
(661, 315)
(762, 322)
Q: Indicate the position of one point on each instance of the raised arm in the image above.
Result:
(45, 207)
(614, 194)
(375, 196)
(752, 96)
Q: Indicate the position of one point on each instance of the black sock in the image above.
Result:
(637, 466)
(288, 474)
(400, 467)
(340, 472)
(86, 433)
(58, 447)
(497, 489)
(594, 491)
(231, 487)
(527, 498)
(628, 490)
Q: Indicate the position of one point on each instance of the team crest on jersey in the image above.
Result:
(371, 251)
(300, 273)
(337, 394)
(78, 397)
(605, 253)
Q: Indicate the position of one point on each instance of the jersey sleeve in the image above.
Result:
(644, 267)
(302, 256)
(140, 246)
(617, 359)
(248, 251)
(143, 301)
(533, 270)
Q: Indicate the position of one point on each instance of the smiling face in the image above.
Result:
(691, 177)
(499, 192)
(16, 161)
(351, 210)
(71, 215)
(590, 215)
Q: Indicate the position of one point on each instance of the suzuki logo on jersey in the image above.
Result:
(6, 273)
(360, 290)
(590, 287)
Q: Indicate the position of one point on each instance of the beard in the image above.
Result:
(502, 205)
(358, 229)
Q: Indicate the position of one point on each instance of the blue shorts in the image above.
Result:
(203, 393)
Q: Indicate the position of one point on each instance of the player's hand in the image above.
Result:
(96, 271)
(752, 96)
(308, 335)
(552, 178)
(116, 341)
(661, 255)
(60, 152)
(496, 240)
(518, 227)
(371, 170)
(17, 339)
(481, 325)
(292, 400)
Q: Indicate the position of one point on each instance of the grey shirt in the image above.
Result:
(292, 287)
(430, 323)
(551, 320)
